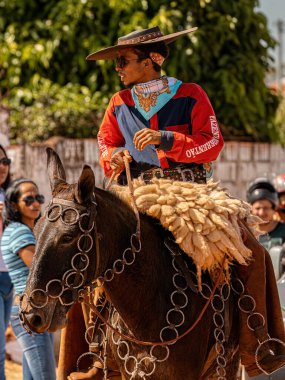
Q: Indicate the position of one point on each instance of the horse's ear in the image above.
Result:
(55, 168)
(86, 185)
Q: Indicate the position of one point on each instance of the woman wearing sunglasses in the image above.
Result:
(23, 207)
(6, 286)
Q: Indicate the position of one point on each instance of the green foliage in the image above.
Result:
(51, 89)
(48, 109)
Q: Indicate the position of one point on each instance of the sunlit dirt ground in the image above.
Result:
(13, 370)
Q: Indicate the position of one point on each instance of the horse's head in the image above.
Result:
(64, 261)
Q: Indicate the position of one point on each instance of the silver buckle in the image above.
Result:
(144, 177)
(158, 171)
(183, 174)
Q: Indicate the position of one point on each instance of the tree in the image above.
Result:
(51, 89)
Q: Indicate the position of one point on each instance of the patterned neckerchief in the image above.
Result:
(151, 96)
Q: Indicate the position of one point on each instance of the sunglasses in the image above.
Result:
(122, 61)
(5, 161)
(29, 200)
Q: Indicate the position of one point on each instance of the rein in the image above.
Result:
(131, 190)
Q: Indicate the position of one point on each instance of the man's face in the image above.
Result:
(264, 209)
(131, 70)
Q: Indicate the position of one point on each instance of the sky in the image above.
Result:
(274, 10)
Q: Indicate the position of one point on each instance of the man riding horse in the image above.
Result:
(168, 129)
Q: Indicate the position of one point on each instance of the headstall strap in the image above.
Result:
(68, 203)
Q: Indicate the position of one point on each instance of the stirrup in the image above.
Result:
(263, 370)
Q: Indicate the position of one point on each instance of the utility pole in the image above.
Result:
(280, 31)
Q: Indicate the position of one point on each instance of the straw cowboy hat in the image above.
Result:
(140, 37)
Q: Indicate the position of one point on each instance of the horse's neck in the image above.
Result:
(139, 292)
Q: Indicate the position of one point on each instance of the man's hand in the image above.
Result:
(117, 161)
(146, 137)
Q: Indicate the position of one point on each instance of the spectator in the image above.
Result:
(263, 197)
(23, 207)
(6, 287)
(279, 183)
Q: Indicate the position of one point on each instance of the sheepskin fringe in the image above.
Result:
(203, 219)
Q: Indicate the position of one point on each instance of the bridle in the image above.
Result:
(74, 280)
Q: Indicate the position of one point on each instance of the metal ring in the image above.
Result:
(244, 297)
(109, 272)
(66, 303)
(218, 332)
(87, 354)
(89, 340)
(177, 286)
(76, 218)
(118, 350)
(168, 328)
(80, 220)
(177, 311)
(221, 372)
(118, 271)
(65, 274)
(72, 286)
(252, 315)
(175, 304)
(225, 298)
(50, 209)
(215, 308)
(159, 360)
(134, 249)
(220, 350)
(32, 302)
(82, 255)
(83, 249)
(145, 359)
(216, 322)
(49, 292)
(86, 231)
(126, 363)
(174, 266)
(133, 257)
(221, 361)
(240, 283)
(115, 318)
(202, 291)
(116, 342)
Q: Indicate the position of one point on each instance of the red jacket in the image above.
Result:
(190, 132)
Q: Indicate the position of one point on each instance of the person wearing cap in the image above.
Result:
(164, 127)
(263, 197)
(279, 183)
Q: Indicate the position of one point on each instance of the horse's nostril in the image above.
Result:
(36, 321)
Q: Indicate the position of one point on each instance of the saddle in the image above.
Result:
(203, 219)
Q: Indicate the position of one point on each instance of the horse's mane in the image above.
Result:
(115, 202)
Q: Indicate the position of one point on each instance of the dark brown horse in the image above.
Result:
(143, 284)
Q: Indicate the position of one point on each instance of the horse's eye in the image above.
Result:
(67, 238)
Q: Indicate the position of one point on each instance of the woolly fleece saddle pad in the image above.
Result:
(203, 219)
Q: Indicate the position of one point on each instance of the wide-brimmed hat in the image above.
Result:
(140, 37)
